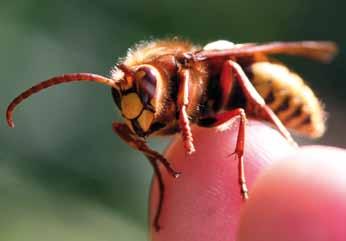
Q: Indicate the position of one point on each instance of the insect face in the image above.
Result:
(137, 96)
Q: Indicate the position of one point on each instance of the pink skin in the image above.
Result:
(312, 200)
(204, 203)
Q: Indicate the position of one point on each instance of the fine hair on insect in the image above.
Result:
(162, 87)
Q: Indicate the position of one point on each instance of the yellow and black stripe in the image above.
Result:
(289, 97)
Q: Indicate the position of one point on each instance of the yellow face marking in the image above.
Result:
(128, 83)
(131, 106)
(140, 75)
(145, 120)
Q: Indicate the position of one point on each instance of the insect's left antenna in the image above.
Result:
(55, 81)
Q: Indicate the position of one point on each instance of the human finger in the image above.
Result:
(204, 202)
(301, 198)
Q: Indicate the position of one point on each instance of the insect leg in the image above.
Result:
(125, 134)
(255, 102)
(183, 101)
(158, 174)
(239, 150)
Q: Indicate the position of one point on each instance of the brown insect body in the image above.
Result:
(163, 57)
(289, 97)
(162, 87)
(283, 90)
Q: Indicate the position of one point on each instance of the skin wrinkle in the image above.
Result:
(312, 207)
(208, 192)
(303, 197)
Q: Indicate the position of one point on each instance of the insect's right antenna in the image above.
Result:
(55, 81)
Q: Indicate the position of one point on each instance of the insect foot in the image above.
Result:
(204, 204)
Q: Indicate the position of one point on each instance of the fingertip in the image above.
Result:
(300, 198)
(204, 202)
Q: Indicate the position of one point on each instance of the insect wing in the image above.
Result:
(322, 51)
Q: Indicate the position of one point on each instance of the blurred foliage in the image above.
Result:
(64, 175)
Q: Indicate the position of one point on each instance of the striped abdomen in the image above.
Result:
(289, 97)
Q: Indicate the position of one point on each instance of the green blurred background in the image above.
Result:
(64, 175)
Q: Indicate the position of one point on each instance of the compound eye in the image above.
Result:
(146, 83)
